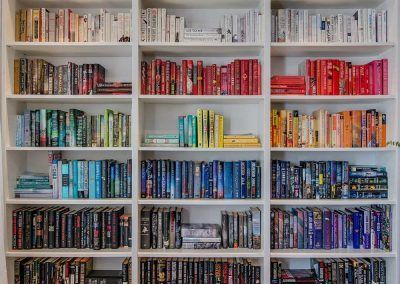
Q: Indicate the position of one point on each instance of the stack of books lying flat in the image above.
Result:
(114, 88)
(201, 236)
(241, 140)
(33, 185)
(161, 140)
(288, 85)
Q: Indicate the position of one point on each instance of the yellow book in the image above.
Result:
(282, 128)
(242, 145)
(216, 131)
(274, 128)
(29, 27)
(17, 26)
(199, 128)
(205, 128)
(221, 131)
(211, 142)
(17, 71)
(243, 136)
(241, 140)
(35, 25)
(295, 130)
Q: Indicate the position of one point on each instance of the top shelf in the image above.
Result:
(204, 4)
(324, 4)
(77, 3)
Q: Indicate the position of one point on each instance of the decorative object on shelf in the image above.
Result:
(346, 129)
(157, 26)
(62, 25)
(240, 77)
(194, 179)
(294, 25)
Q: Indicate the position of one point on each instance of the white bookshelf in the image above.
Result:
(158, 113)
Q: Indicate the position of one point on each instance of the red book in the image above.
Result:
(205, 81)
(213, 69)
(189, 77)
(385, 77)
(200, 77)
(301, 91)
(85, 79)
(313, 78)
(329, 81)
(228, 79)
(153, 77)
(335, 76)
(232, 76)
(366, 78)
(237, 77)
(168, 77)
(195, 77)
(218, 81)
(178, 79)
(371, 79)
(353, 80)
(158, 77)
(210, 80)
(358, 80)
(324, 77)
(251, 77)
(346, 78)
(255, 77)
(259, 79)
(224, 80)
(377, 67)
(184, 77)
(350, 78)
(244, 83)
(143, 75)
(282, 86)
(163, 78)
(319, 77)
(362, 80)
(342, 79)
(308, 76)
(173, 78)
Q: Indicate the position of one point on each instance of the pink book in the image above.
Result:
(385, 77)
(224, 80)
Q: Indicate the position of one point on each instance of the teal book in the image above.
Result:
(98, 180)
(80, 178)
(62, 128)
(190, 130)
(54, 128)
(194, 131)
(64, 180)
(112, 180)
(181, 131)
(186, 131)
(92, 179)
(75, 179)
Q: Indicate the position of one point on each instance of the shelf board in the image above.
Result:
(199, 49)
(66, 99)
(202, 202)
(329, 202)
(205, 4)
(240, 252)
(77, 3)
(382, 149)
(301, 99)
(192, 149)
(289, 49)
(321, 253)
(70, 252)
(39, 201)
(323, 4)
(189, 99)
(76, 49)
(91, 149)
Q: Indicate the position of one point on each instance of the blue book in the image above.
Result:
(248, 178)
(117, 181)
(327, 225)
(300, 227)
(181, 129)
(243, 184)
(75, 174)
(163, 179)
(258, 181)
(173, 180)
(185, 192)
(112, 180)
(168, 163)
(72, 179)
(317, 216)
(178, 179)
(310, 229)
(344, 228)
(210, 180)
(190, 178)
(65, 179)
(253, 178)
(345, 180)
(220, 180)
(92, 179)
(158, 187)
(215, 179)
(198, 180)
(149, 179)
(98, 179)
(355, 227)
(206, 180)
(228, 184)
(194, 131)
(143, 179)
(236, 180)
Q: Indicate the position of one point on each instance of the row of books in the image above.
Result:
(63, 25)
(73, 128)
(294, 25)
(327, 180)
(332, 270)
(340, 77)
(348, 129)
(37, 76)
(240, 77)
(91, 179)
(199, 270)
(158, 26)
(288, 85)
(61, 227)
(53, 270)
(323, 228)
(195, 179)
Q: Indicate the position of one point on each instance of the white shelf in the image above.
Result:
(321, 253)
(329, 202)
(328, 49)
(76, 49)
(71, 99)
(85, 202)
(89, 149)
(202, 202)
(383, 149)
(193, 149)
(199, 49)
(322, 4)
(240, 252)
(186, 99)
(301, 99)
(206, 4)
(70, 252)
(77, 3)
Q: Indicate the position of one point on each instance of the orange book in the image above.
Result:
(383, 131)
(369, 128)
(356, 128)
(347, 130)
(289, 129)
(295, 129)
(363, 128)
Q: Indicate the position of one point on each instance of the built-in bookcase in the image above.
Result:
(243, 114)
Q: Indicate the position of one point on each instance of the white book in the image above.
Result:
(167, 28)
(127, 26)
(228, 28)
(143, 25)
(379, 27)
(163, 24)
(251, 28)
(318, 28)
(114, 28)
(66, 25)
(102, 35)
(80, 29)
(292, 27)
(52, 27)
(365, 25)
(177, 29)
(108, 27)
(373, 24)
(273, 29)
(85, 28)
(301, 26)
(281, 36)
(148, 23)
(384, 27)
(153, 36)
(181, 28)
(306, 25)
(172, 30)
(348, 28)
(313, 28)
(120, 26)
(159, 24)
(89, 28)
(340, 27)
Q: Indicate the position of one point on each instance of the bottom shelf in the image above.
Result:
(321, 253)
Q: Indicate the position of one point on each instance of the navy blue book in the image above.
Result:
(198, 179)
(203, 180)
(220, 180)
(310, 229)
(207, 184)
(215, 179)
(154, 179)
(248, 179)
(236, 180)
(190, 178)
(173, 180)
(228, 175)
(159, 179)
(243, 184)
(178, 179)
(163, 179)
(168, 179)
(185, 190)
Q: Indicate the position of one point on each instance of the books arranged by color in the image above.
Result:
(201, 236)
(63, 25)
(241, 141)
(339, 77)
(158, 26)
(240, 77)
(295, 25)
(73, 128)
(204, 130)
(288, 85)
(327, 180)
(241, 229)
(33, 185)
(200, 270)
(331, 270)
(347, 129)
(60, 227)
(113, 88)
(195, 179)
(161, 140)
(91, 179)
(73, 270)
(324, 228)
(37, 76)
